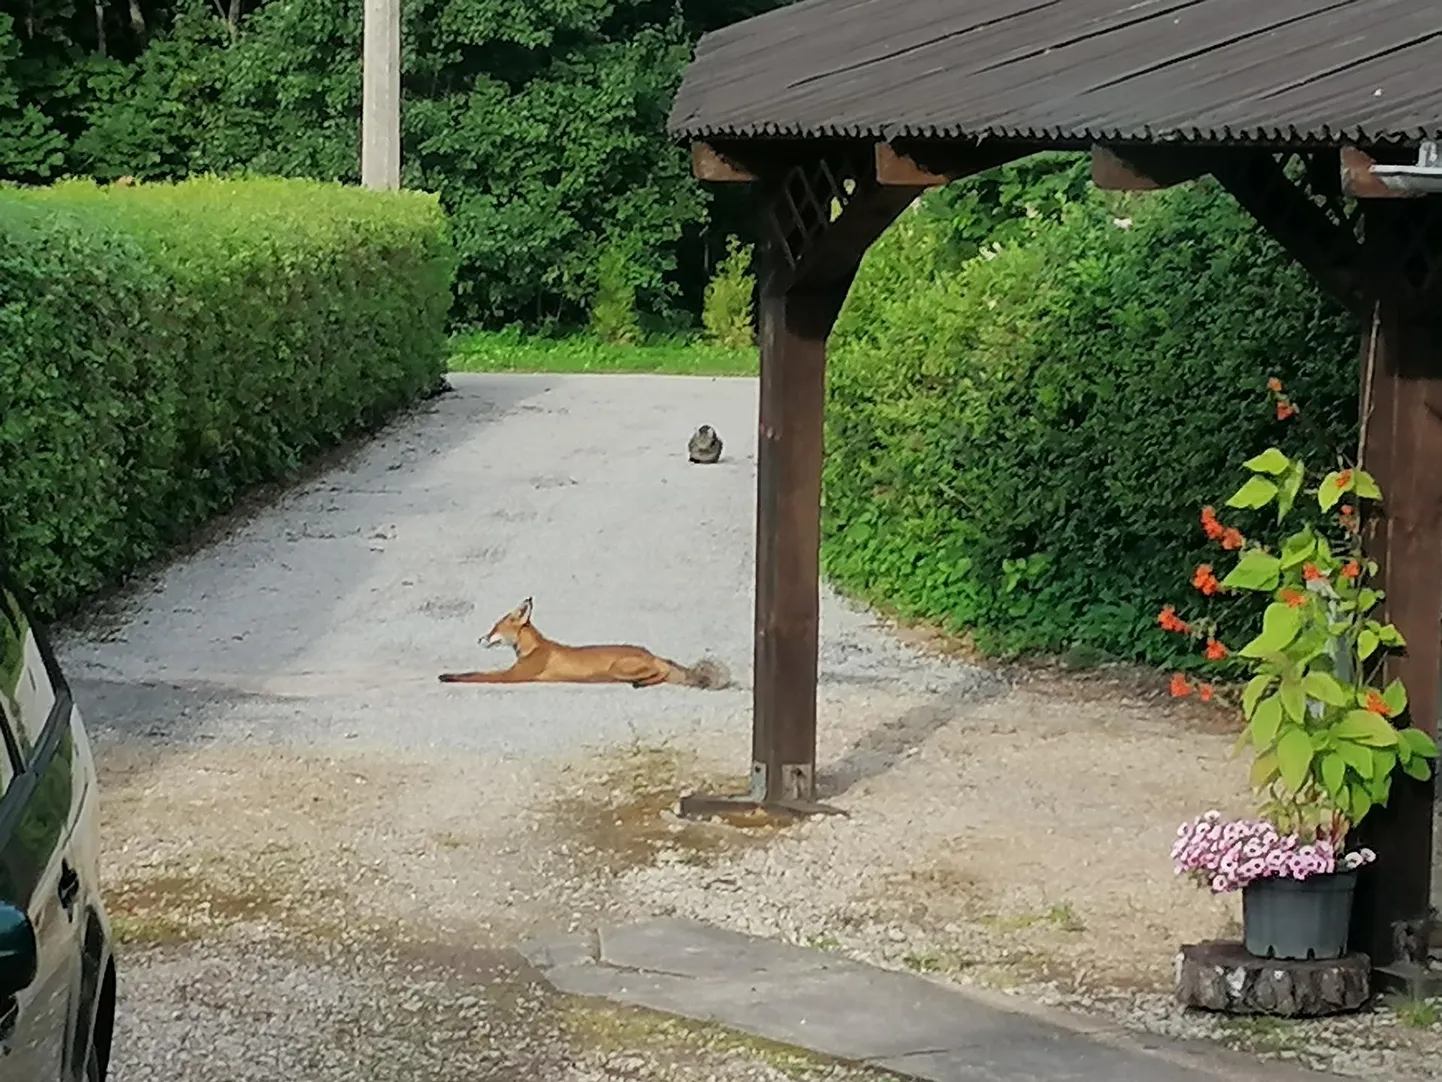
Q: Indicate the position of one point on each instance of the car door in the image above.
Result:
(37, 814)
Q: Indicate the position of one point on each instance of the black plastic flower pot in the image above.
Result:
(1298, 919)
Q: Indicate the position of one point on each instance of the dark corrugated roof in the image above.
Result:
(1314, 71)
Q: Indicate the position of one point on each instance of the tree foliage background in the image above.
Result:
(541, 124)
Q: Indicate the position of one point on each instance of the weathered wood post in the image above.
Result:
(795, 323)
(1401, 404)
(820, 214)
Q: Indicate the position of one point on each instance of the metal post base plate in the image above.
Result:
(755, 809)
(749, 810)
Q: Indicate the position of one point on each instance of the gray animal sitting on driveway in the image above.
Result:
(705, 446)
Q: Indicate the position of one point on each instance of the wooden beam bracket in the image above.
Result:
(822, 216)
(907, 163)
(708, 163)
(744, 161)
(1145, 169)
(896, 169)
(930, 163)
(1317, 228)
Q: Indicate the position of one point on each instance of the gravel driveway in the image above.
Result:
(319, 857)
(321, 860)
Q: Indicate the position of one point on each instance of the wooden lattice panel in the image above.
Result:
(1291, 198)
(1322, 183)
(1298, 198)
(812, 196)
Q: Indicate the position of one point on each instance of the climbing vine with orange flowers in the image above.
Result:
(1320, 725)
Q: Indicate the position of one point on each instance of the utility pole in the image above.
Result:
(381, 96)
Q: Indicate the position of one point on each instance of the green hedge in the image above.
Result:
(162, 347)
(1019, 448)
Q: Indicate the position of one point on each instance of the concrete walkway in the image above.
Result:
(910, 1025)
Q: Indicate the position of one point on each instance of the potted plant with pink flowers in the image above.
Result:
(1320, 724)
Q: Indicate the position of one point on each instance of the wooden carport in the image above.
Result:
(862, 105)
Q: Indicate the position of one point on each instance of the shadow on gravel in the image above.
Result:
(162, 711)
(885, 745)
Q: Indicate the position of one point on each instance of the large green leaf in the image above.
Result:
(1384, 761)
(1265, 722)
(1256, 687)
(1294, 758)
(1367, 643)
(1417, 768)
(1380, 786)
(1395, 697)
(1330, 491)
(1263, 771)
(1323, 687)
(1418, 742)
(1257, 492)
(1356, 756)
(1298, 549)
(1280, 624)
(1272, 461)
(1294, 700)
(1365, 727)
(1256, 570)
(1291, 484)
(1390, 636)
(1334, 771)
(1365, 485)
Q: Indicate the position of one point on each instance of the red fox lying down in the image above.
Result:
(539, 660)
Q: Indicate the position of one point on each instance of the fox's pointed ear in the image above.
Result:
(524, 612)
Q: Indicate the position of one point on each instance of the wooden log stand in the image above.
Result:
(1224, 977)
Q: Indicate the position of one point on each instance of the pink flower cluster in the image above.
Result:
(1226, 856)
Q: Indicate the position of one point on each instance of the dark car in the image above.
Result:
(57, 978)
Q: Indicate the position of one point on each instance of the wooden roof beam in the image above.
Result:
(1144, 169)
(932, 163)
(902, 164)
(708, 163)
(895, 169)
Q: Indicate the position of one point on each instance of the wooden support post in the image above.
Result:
(795, 323)
(1403, 447)
(1402, 403)
(807, 268)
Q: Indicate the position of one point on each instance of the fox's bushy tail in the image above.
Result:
(707, 673)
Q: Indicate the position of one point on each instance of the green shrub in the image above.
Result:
(727, 311)
(1003, 204)
(1019, 449)
(614, 318)
(163, 347)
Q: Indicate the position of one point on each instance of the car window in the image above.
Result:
(27, 694)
